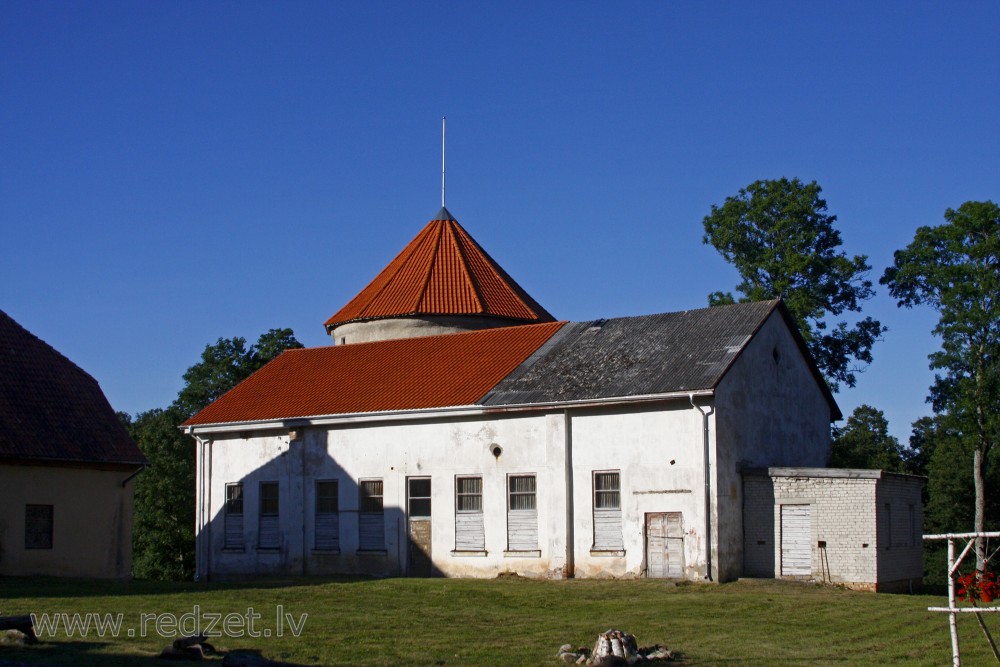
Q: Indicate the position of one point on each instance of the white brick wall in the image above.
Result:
(848, 514)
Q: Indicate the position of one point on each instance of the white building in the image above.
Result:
(456, 429)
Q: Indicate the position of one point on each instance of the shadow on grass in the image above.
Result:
(82, 653)
(52, 587)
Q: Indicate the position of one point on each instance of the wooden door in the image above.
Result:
(418, 526)
(664, 545)
(796, 540)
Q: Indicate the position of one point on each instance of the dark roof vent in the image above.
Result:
(597, 324)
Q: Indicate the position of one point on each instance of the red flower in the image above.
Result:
(978, 585)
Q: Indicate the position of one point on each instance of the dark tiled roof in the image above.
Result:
(442, 271)
(403, 374)
(635, 356)
(53, 411)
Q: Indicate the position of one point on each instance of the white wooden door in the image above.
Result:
(796, 540)
(664, 545)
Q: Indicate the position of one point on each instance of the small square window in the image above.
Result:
(269, 499)
(234, 499)
(38, 526)
(327, 497)
(606, 490)
(371, 495)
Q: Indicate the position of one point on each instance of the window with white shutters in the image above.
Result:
(470, 534)
(233, 537)
(607, 512)
(522, 513)
(371, 517)
(268, 535)
(327, 515)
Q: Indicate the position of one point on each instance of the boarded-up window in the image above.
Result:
(38, 526)
(327, 515)
(469, 532)
(522, 513)
(371, 518)
(607, 512)
(233, 538)
(268, 536)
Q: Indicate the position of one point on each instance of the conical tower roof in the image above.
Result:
(442, 272)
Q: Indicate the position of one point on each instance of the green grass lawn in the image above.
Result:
(503, 622)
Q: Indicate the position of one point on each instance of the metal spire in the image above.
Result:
(442, 159)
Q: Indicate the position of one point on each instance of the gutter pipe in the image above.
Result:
(570, 570)
(708, 487)
(134, 475)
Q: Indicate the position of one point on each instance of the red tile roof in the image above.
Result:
(52, 411)
(443, 271)
(404, 374)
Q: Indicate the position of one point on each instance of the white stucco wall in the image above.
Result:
(771, 412)
(657, 449)
(91, 522)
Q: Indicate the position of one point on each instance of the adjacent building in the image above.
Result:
(67, 466)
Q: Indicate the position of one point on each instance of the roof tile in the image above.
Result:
(442, 271)
(404, 374)
(53, 411)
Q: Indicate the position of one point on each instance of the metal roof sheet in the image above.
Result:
(632, 356)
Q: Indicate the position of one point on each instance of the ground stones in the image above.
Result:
(614, 648)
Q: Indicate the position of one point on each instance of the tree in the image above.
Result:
(955, 269)
(163, 542)
(226, 364)
(864, 442)
(783, 244)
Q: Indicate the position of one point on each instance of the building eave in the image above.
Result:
(435, 413)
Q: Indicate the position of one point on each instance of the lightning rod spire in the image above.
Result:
(442, 159)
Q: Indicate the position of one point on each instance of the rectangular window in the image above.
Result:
(419, 497)
(38, 526)
(371, 518)
(233, 532)
(268, 537)
(607, 512)
(469, 531)
(327, 515)
(522, 514)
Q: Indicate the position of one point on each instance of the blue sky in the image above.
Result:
(176, 172)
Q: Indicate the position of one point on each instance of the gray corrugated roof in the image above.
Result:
(634, 356)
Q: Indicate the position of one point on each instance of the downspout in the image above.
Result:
(207, 508)
(134, 475)
(302, 446)
(708, 487)
(570, 570)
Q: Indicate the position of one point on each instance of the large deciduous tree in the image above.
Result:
(864, 442)
(955, 269)
(780, 238)
(163, 543)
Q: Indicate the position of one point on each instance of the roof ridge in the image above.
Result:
(459, 233)
(422, 294)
